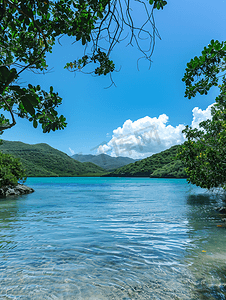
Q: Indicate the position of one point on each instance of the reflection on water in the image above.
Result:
(8, 218)
(208, 258)
(111, 238)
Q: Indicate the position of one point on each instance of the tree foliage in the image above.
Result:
(205, 71)
(11, 170)
(29, 30)
(204, 152)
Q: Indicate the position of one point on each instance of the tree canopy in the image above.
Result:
(204, 152)
(29, 30)
(11, 170)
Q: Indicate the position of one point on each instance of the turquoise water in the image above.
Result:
(112, 238)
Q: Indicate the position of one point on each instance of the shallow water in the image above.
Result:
(112, 238)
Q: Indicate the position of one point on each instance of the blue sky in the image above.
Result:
(93, 112)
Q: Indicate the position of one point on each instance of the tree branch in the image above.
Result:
(12, 115)
(40, 31)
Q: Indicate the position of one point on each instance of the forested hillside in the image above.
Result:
(43, 160)
(159, 165)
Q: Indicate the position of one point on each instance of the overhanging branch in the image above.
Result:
(4, 127)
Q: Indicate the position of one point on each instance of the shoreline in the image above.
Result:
(15, 190)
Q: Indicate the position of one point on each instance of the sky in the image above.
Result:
(146, 111)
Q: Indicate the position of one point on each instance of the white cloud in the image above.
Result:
(143, 137)
(200, 115)
(72, 151)
(146, 136)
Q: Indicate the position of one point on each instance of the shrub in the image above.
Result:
(11, 170)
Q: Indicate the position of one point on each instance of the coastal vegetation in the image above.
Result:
(204, 152)
(11, 170)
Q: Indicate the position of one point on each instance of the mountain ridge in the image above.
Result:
(104, 161)
(42, 160)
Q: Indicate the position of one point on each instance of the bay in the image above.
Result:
(112, 238)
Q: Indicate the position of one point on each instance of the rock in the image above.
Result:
(11, 192)
(221, 210)
(16, 190)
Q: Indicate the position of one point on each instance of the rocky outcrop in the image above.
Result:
(16, 190)
(221, 210)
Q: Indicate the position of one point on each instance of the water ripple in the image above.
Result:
(106, 238)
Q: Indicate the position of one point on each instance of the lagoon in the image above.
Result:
(112, 238)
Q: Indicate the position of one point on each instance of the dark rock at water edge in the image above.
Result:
(221, 210)
(16, 190)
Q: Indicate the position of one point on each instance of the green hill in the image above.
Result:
(105, 161)
(174, 169)
(42, 160)
(160, 165)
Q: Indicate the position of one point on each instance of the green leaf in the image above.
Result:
(27, 105)
(16, 88)
(33, 100)
(83, 40)
(4, 74)
(12, 76)
(99, 14)
(50, 117)
(35, 124)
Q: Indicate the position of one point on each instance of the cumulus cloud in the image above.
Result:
(146, 136)
(143, 137)
(200, 115)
